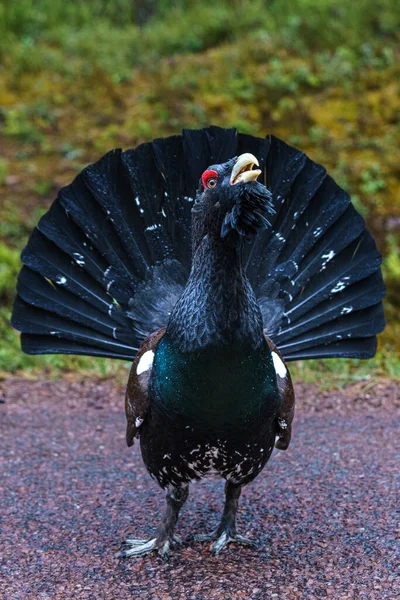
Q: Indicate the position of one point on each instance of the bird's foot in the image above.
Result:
(222, 539)
(135, 547)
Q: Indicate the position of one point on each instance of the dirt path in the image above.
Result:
(326, 512)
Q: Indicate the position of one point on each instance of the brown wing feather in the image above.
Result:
(286, 413)
(136, 398)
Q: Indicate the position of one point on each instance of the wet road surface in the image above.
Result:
(325, 512)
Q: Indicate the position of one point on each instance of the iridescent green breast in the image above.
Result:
(217, 389)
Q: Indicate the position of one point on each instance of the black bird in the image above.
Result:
(218, 273)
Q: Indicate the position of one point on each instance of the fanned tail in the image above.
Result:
(109, 260)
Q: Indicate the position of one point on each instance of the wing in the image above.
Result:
(136, 398)
(286, 392)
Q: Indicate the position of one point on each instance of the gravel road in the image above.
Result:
(325, 513)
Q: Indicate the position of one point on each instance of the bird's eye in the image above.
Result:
(209, 178)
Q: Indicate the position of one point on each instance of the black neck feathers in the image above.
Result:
(218, 306)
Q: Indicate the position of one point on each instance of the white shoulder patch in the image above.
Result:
(145, 362)
(279, 365)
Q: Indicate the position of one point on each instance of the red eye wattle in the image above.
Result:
(209, 178)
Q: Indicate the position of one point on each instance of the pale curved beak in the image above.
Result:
(242, 171)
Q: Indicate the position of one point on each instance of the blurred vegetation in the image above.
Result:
(77, 79)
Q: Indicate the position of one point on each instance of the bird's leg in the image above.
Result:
(176, 497)
(226, 531)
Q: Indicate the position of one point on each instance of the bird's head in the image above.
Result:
(230, 203)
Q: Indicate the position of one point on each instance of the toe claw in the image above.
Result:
(138, 548)
(220, 543)
(222, 540)
(177, 540)
(205, 537)
(163, 550)
(243, 540)
(134, 542)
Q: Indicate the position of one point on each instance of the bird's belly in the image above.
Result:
(238, 464)
(175, 457)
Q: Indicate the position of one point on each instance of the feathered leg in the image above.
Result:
(176, 497)
(226, 531)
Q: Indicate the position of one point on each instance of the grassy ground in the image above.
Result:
(77, 79)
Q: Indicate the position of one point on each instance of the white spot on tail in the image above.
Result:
(280, 237)
(326, 258)
(145, 362)
(79, 259)
(61, 280)
(279, 366)
(340, 285)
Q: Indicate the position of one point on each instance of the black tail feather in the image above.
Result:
(362, 348)
(359, 296)
(359, 324)
(108, 182)
(46, 258)
(41, 322)
(355, 263)
(33, 291)
(108, 261)
(45, 344)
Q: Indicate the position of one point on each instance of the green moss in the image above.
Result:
(391, 266)
(117, 36)
(9, 268)
(337, 372)
(3, 171)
